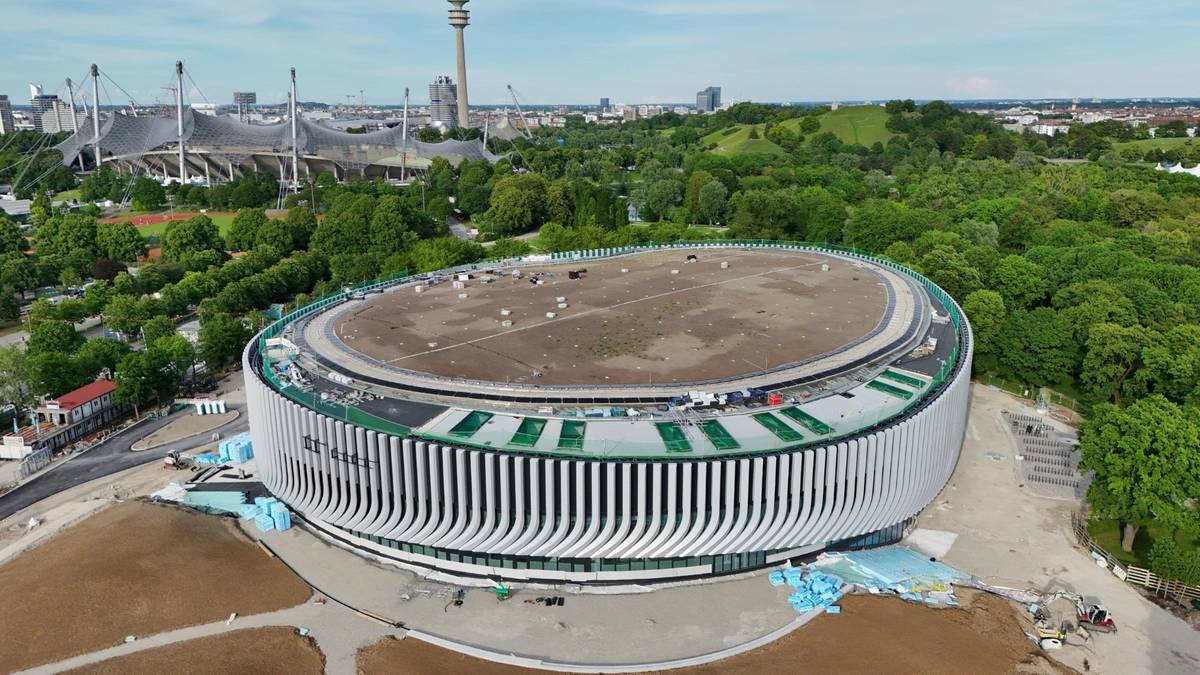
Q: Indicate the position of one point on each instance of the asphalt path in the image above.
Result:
(109, 457)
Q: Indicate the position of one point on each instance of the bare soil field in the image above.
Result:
(275, 650)
(133, 569)
(646, 325)
(872, 635)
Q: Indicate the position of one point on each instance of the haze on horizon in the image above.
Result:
(632, 51)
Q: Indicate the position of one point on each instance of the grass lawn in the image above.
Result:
(738, 142)
(66, 195)
(864, 125)
(223, 223)
(1163, 144)
(1107, 535)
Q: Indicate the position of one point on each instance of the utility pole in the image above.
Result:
(404, 136)
(96, 112)
(295, 150)
(179, 119)
(74, 120)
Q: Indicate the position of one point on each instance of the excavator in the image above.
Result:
(178, 462)
(1089, 616)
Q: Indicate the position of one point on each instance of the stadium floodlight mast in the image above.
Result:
(179, 119)
(74, 119)
(459, 20)
(96, 112)
(295, 150)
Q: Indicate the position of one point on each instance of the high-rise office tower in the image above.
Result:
(7, 125)
(708, 99)
(443, 106)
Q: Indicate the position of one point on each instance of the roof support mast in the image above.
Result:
(179, 119)
(74, 120)
(295, 150)
(96, 112)
(404, 136)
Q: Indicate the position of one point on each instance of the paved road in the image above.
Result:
(107, 458)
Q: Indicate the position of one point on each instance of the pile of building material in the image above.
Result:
(896, 570)
(215, 501)
(815, 590)
(237, 449)
(208, 458)
(268, 514)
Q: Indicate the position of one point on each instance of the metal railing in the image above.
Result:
(1176, 590)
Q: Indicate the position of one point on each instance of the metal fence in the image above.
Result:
(34, 462)
(1166, 588)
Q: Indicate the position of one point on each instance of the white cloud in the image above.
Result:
(974, 86)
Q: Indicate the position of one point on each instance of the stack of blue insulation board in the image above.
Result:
(225, 501)
(207, 458)
(264, 523)
(237, 449)
(816, 590)
(280, 516)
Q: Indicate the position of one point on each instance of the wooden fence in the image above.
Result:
(1167, 588)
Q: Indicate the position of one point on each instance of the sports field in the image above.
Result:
(154, 224)
(663, 320)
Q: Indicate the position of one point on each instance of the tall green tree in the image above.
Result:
(120, 241)
(1147, 463)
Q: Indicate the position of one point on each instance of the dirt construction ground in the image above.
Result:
(133, 569)
(636, 327)
(871, 635)
(278, 650)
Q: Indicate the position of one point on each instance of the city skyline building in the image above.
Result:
(459, 20)
(7, 124)
(605, 105)
(40, 103)
(708, 99)
(443, 102)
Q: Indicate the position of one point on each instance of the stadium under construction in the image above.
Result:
(632, 414)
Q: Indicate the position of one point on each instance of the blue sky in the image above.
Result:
(628, 50)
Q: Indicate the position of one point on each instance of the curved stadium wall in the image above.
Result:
(385, 490)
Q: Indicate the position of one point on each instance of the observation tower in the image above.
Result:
(459, 20)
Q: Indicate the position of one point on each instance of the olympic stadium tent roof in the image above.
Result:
(125, 136)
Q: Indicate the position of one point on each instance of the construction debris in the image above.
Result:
(816, 590)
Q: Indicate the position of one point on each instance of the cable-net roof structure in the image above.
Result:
(227, 140)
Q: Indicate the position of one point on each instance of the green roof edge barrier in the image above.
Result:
(807, 421)
(570, 437)
(719, 435)
(468, 425)
(529, 431)
(782, 431)
(902, 378)
(673, 437)
(889, 389)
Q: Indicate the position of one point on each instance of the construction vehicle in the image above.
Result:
(1090, 615)
(502, 592)
(178, 462)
